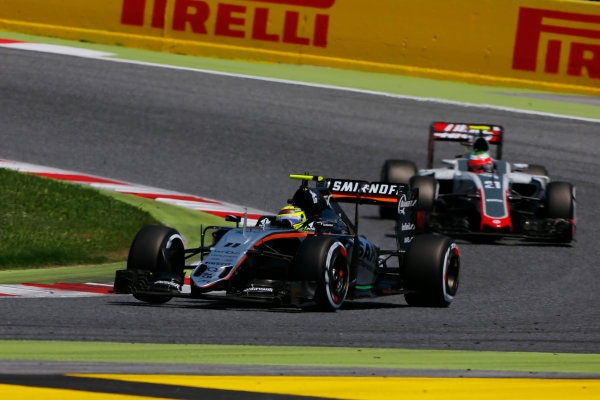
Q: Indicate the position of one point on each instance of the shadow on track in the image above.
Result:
(505, 242)
(220, 305)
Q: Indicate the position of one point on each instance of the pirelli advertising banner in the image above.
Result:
(545, 44)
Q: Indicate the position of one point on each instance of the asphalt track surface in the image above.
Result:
(237, 140)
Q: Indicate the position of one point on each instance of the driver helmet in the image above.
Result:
(480, 161)
(293, 214)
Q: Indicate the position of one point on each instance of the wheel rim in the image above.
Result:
(451, 272)
(336, 276)
(338, 282)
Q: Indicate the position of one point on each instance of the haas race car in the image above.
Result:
(478, 196)
(310, 255)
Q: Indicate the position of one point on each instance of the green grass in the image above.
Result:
(47, 222)
(298, 356)
(188, 222)
(101, 273)
(38, 213)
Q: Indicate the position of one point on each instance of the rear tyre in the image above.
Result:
(325, 261)
(534, 169)
(396, 171)
(157, 254)
(427, 190)
(432, 271)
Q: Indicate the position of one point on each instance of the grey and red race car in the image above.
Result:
(321, 263)
(475, 196)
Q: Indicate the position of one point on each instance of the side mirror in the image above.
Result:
(234, 218)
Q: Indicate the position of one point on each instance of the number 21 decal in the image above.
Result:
(492, 184)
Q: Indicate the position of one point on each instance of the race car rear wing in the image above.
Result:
(357, 191)
(464, 133)
(351, 191)
(400, 196)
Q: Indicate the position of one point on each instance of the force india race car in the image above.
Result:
(502, 200)
(320, 265)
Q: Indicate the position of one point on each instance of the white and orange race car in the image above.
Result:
(476, 196)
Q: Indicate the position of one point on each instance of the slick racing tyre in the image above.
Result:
(427, 186)
(324, 260)
(157, 255)
(560, 200)
(560, 206)
(432, 271)
(396, 171)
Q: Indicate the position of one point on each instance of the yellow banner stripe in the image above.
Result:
(382, 388)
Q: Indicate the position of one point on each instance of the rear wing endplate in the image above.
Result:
(465, 133)
(400, 196)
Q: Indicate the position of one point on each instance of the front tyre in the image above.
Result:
(432, 271)
(560, 206)
(157, 254)
(325, 261)
(560, 200)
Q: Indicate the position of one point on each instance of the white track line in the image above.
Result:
(56, 49)
(8, 291)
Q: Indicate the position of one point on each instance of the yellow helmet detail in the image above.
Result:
(293, 214)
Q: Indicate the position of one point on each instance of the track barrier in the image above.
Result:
(541, 44)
